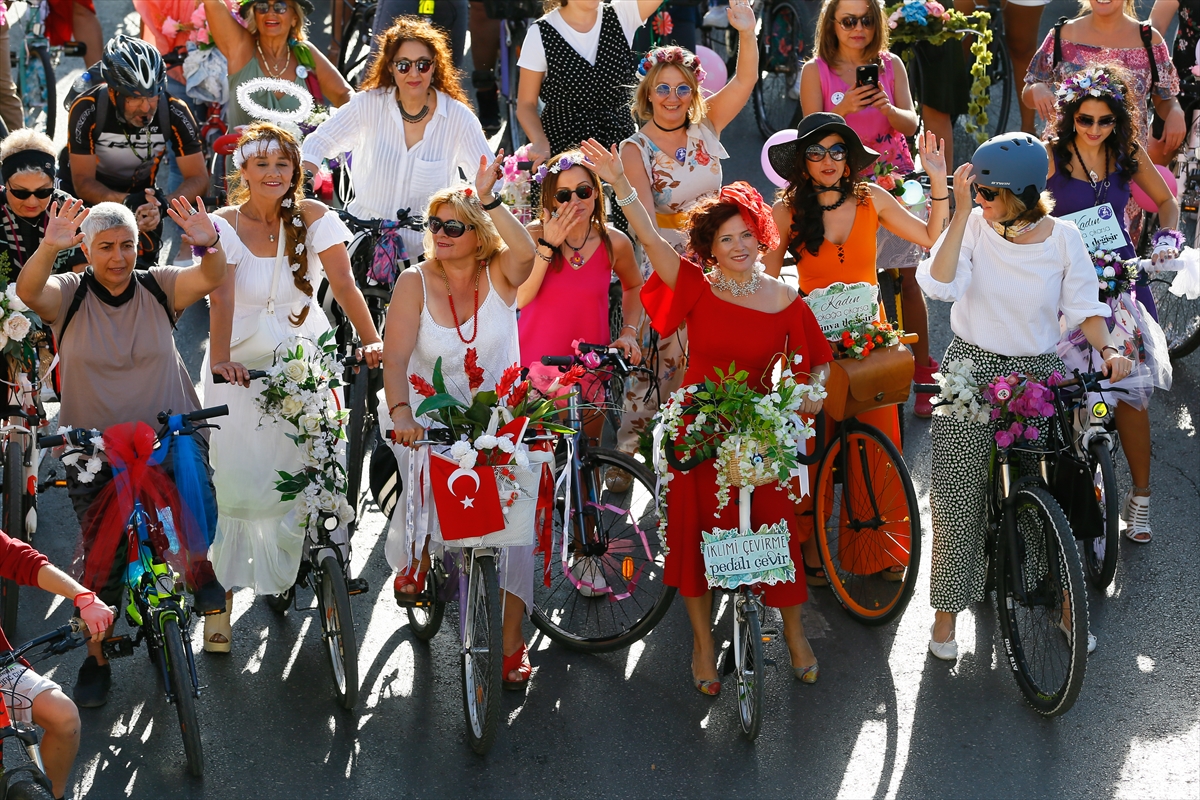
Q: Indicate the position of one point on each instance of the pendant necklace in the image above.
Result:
(576, 260)
(454, 311)
(680, 152)
(1099, 187)
(267, 65)
(417, 117)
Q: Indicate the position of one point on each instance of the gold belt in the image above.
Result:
(672, 221)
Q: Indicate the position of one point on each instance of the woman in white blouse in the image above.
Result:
(1011, 270)
(408, 130)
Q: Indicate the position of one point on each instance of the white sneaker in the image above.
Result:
(716, 17)
(1135, 514)
(1091, 637)
(946, 651)
(588, 571)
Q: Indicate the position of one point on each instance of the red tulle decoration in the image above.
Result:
(755, 213)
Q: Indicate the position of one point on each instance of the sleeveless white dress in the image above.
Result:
(498, 348)
(258, 543)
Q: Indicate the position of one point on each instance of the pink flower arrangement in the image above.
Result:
(170, 27)
(1019, 401)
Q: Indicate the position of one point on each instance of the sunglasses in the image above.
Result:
(987, 194)
(452, 227)
(851, 22)
(25, 194)
(583, 191)
(815, 152)
(1085, 121)
(423, 65)
(279, 7)
(682, 91)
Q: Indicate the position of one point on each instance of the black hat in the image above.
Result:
(247, 5)
(813, 128)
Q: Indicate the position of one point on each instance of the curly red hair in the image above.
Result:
(447, 78)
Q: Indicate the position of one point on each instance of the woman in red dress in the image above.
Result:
(736, 313)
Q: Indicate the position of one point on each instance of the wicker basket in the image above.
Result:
(733, 476)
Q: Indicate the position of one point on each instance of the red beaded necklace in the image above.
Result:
(454, 311)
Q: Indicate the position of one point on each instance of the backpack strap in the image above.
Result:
(148, 282)
(1058, 26)
(80, 292)
(1148, 42)
(102, 104)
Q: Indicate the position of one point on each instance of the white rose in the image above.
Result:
(295, 370)
(310, 424)
(17, 326)
(345, 511)
(14, 302)
(326, 501)
(291, 406)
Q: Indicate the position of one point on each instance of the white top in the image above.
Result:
(1007, 297)
(533, 53)
(388, 176)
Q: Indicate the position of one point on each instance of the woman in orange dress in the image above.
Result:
(831, 214)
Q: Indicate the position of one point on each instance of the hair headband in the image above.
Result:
(672, 54)
(1092, 82)
(755, 213)
(255, 147)
(29, 158)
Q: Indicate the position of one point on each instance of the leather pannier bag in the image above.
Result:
(883, 378)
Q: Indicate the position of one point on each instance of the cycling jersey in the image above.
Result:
(128, 158)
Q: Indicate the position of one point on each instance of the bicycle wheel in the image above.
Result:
(356, 439)
(1046, 630)
(14, 525)
(514, 135)
(482, 654)
(39, 92)
(611, 593)
(27, 784)
(1003, 82)
(1100, 554)
(179, 672)
(867, 521)
(749, 674)
(337, 628)
(784, 39)
(280, 603)
(425, 616)
(356, 43)
(1178, 316)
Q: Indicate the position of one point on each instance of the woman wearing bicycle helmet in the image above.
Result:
(1095, 160)
(277, 244)
(1011, 271)
(272, 42)
(28, 163)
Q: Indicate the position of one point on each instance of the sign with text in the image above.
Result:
(841, 305)
(1099, 226)
(734, 557)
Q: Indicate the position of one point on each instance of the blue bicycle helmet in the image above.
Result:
(1014, 161)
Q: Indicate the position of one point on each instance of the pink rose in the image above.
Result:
(170, 28)
(935, 8)
(886, 181)
(200, 36)
(199, 20)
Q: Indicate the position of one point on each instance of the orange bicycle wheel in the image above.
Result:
(868, 525)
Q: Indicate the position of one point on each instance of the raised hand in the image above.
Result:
(741, 15)
(62, 225)
(488, 174)
(933, 154)
(964, 180)
(606, 162)
(564, 222)
(198, 229)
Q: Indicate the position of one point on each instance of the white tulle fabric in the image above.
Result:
(258, 542)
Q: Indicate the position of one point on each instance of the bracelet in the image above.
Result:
(935, 199)
(543, 257)
(401, 404)
(200, 251)
(494, 204)
(631, 327)
(627, 201)
(1110, 347)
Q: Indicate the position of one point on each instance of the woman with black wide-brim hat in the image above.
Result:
(829, 215)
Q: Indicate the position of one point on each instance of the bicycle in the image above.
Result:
(1178, 316)
(28, 780)
(514, 16)
(34, 62)
(355, 42)
(158, 608)
(607, 591)
(786, 41)
(1035, 570)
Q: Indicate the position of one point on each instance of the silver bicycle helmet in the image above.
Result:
(1013, 161)
(133, 67)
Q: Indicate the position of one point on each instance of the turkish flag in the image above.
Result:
(467, 500)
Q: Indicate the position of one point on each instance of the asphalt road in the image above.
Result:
(885, 720)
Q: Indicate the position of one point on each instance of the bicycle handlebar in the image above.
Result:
(61, 639)
(609, 357)
(806, 459)
(255, 374)
(81, 437)
(406, 220)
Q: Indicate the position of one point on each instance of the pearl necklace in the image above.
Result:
(723, 282)
(267, 65)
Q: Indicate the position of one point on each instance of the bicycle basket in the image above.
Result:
(513, 9)
(883, 378)
(729, 459)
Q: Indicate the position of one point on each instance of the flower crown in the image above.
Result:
(672, 55)
(1091, 82)
(566, 162)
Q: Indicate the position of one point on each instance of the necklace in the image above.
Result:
(576, 259)
(417, 117)
(15, 228)
(1012, 230)
(267, 65)
(844, 194)
(670, 130)
(454, 311)
(1098, 187)
(738, 288)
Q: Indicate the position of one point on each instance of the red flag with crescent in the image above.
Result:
(467, 500)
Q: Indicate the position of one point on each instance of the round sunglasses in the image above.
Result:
(423, 65)
(815, 152)
(25, 194)
(583, 191)
(850, 22)
(453, 228)
(682, 91)
(279, 7)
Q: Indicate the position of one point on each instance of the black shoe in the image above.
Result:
(93, 683)
(210, 598)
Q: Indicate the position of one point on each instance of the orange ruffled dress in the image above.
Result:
(854, 262)
(720, 333)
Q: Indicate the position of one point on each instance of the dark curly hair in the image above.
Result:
(703, 222)
(799, 197)
(1121, 144)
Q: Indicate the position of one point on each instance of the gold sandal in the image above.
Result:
(218, 625)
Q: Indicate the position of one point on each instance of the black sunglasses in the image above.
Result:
(25, 194)
(404, 65)
(263, 7)
(583, 191)
(986, 193)
(850, 22)
(1086, 121)
(452, 227)
(815, 152)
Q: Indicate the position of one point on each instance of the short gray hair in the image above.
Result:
(106, 216)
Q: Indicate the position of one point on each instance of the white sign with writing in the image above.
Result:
(842, 305)
(1099, 226)
(733, 557)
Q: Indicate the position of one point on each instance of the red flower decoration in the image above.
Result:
(571, 376)
(508, 380)
(518, 394)
(423, 387)
(474, 371)
(662, 24)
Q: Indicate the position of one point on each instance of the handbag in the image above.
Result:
(883, 378)
(251, 342)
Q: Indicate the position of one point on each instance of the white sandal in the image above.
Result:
(1135, 513)
(218, 625)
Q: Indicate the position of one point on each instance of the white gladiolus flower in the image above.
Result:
(16, 327)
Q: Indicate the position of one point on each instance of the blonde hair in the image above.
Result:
(468, 211)
(24, 139)
(827, 41)
(299, 30)
(644, 110)
(1015, 209)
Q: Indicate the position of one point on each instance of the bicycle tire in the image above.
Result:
(583, 618)
(356, 436)
(337, 629)
(280, 603)
(1101, 567)
(28, 787)
(749, 674)
(482, 654)
(426, 620)
(780, 57)
(14, 526)
(1030, 630)
(45, 85)
(180, 675)
(1178, 317)
(847, 547)
(355, 47)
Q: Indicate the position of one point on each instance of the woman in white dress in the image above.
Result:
(277, 245)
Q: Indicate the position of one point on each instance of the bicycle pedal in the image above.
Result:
(357, 586)
(117, 647)
(769, 662)
(769, 633)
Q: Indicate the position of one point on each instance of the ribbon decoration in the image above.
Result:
(389, 253)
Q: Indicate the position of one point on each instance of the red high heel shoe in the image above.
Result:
(409, 577)
(517, 662)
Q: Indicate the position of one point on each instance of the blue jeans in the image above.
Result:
(449, 15)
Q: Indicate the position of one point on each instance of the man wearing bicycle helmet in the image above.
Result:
(118, 137)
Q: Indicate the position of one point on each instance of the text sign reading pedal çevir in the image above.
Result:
(733, 558)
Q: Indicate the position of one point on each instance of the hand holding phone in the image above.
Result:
(867, 75)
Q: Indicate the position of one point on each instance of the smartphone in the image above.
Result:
(867, 75)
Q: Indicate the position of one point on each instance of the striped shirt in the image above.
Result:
(388, 176)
